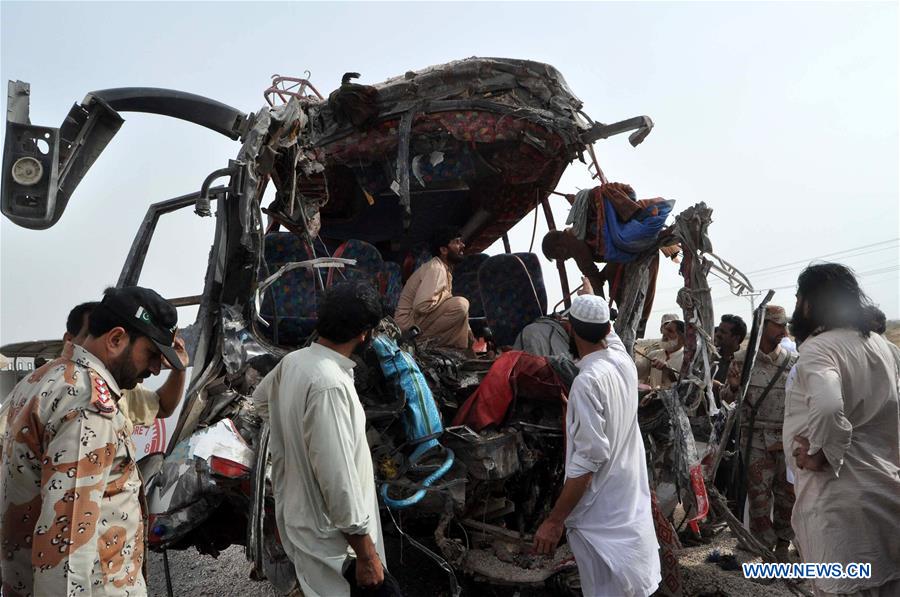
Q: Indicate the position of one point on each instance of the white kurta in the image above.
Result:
(844, 399)
(322, 473)
(611, 528)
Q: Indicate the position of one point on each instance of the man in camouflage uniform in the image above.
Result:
(770, 495)
(140, 405)
(73, 520)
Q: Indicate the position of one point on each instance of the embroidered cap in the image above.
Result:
(145, 311)
(669, 317)
(589, 309)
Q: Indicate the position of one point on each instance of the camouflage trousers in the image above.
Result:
(770, 497)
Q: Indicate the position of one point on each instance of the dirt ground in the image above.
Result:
(196, 575)
(703, 578)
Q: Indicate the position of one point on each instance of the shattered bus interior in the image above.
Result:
(361, 178)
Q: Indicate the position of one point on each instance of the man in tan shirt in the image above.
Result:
(842, 435)
(427, 299)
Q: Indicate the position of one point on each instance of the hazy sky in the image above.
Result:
(782, 117)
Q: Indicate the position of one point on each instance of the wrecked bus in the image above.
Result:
(361, 178)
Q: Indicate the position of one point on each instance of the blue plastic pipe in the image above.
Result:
(420, 494)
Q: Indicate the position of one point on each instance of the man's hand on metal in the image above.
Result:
(815, 462)
(547, 537)
(369, 571)
(659, 364)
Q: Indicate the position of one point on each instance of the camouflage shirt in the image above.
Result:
(770, 415)
(70, 493)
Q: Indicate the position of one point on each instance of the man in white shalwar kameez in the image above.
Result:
(326, 507)
(842, 435)
(605, 501)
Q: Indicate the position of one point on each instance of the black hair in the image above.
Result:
(738, 326)
(75, 320)
(102, 319)
(879, 320)
(835, 299)
(442, 237)
(348, 309)
(590, 332)
(552, 240)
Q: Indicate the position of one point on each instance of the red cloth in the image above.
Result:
(671, 585)
(515, 374)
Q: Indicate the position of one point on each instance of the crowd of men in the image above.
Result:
(821, 433)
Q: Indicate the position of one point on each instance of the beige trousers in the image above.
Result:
(448, 324)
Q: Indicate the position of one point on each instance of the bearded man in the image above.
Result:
(73, 519)
(140, 405)
(842, 434)
(666, 361)
(427, 299)
(326, 508)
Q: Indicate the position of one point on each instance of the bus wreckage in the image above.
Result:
(361, 179)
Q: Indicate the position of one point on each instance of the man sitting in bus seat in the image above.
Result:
(427, 299)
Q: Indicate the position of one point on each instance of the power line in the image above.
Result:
(874, 272)
(791, 267)
(803, 261)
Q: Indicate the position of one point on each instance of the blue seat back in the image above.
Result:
(509, 297)
(290, 303)
(533, 265)
(465, 282)
(369, 263)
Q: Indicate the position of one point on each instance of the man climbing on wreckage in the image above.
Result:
(427, 299)
(605, 500)
(770, 495)
(610, 225)
(322, 476)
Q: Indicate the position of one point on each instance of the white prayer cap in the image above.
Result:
(589, 308)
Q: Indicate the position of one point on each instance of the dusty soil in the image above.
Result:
(196, 575)
(703, 578)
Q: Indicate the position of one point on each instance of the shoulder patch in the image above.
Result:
(101, 396)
